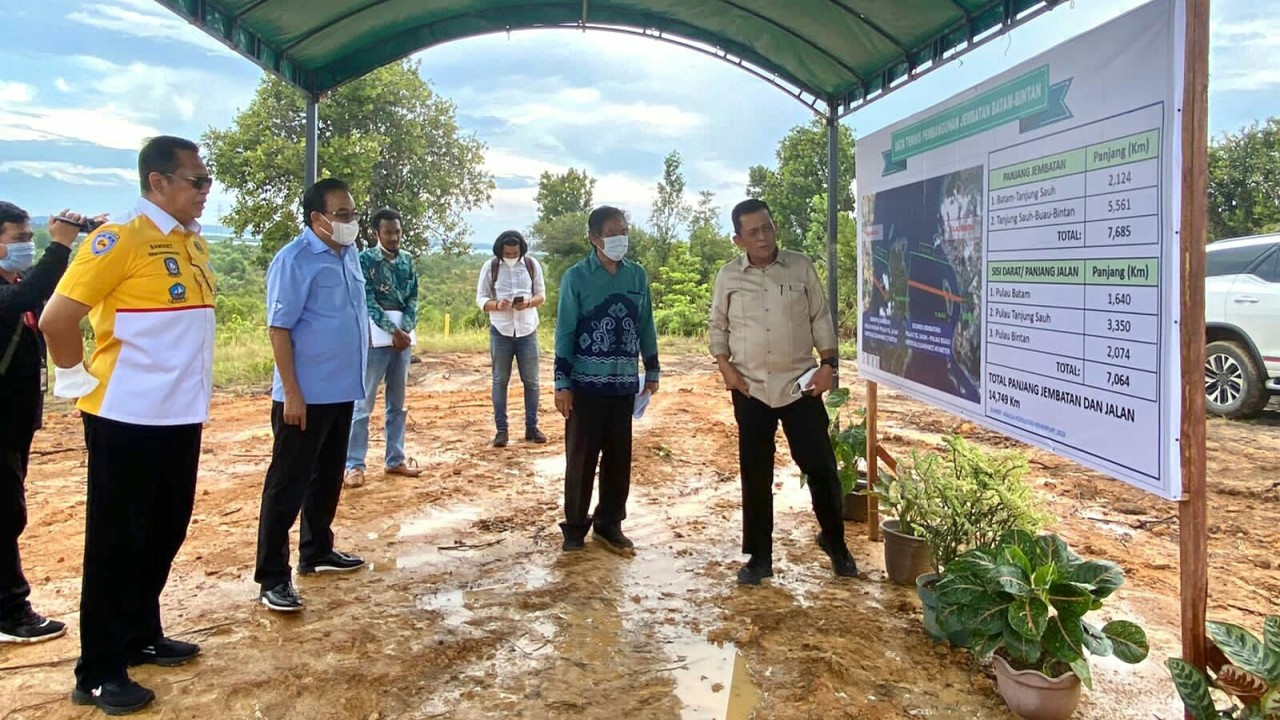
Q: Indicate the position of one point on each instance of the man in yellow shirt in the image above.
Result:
(148, 289)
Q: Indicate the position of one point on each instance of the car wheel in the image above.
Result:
(1233, 385)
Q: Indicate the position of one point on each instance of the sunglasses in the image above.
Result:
(199, 182)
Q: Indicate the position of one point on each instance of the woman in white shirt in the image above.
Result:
(510, 289)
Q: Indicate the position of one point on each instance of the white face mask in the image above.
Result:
(344, 233)
(20, 258)
(615, 247)
(511, 262)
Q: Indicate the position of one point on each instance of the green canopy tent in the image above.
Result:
(835, 56)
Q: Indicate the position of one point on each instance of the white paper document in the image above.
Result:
(804, 383)
(642, 401)
(381, 338)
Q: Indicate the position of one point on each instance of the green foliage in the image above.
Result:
(1025, 598)
(387, 134)
(1244, 181)
(962, 499)
(846, 309)
(563, 194)
(670, 211)
(686, 296)
(1250, 679)
(800, 176)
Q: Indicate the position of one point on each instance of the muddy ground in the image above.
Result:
(467, 609)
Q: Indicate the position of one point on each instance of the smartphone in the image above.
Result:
(518, 299)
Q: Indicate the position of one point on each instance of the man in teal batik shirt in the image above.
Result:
(391, 293)
(603, 324)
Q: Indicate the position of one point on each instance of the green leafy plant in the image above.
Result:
(1251, 678)
(848, 438)
(962, 499)
(1027, 598)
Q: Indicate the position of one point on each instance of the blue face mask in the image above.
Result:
(20, 258)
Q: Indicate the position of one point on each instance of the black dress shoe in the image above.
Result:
(534, 435)
(500, 438)
(282, 598)
(613, 539)
(331, 562)
(842, 563)
(752, 573)
(166, 652)
(117, 697)
(573, 544)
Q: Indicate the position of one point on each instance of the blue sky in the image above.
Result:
(83, 81)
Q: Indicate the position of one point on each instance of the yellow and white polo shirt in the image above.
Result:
(150, 288)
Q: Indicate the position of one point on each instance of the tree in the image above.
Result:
(560, 242)
(686, 299)
(801, 174)
(564, 193)
(1244, 181)
(846, 308)
(387, 134)
(707, 241)
(670, 211)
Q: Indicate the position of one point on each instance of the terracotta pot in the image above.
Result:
(1033, 696)
(929, 601)
(906, 557)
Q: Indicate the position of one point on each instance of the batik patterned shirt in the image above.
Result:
(390, 285)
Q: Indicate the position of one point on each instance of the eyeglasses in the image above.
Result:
(199, 182)
(344, 215)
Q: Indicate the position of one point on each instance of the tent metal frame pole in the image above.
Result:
(833, 222)
(310, 156)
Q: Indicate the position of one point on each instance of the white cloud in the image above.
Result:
(62, 85)
(579, 109)
(1243, 52)
(632, 193)
(146, 19)
(110, 125)
(16, 92)
(72, 173)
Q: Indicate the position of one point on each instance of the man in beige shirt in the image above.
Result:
(768, 314)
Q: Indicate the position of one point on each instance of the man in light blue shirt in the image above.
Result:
(320, 337)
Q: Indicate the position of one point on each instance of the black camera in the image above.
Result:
(87, 225)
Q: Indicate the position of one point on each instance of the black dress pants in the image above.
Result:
(805, 424)
(142, 485)
(18, 421)
(597, 431)
(305, 476)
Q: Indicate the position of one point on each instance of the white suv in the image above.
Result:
(1242, 325)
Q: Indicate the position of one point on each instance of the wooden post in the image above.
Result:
(1192, 511)
(873, 460)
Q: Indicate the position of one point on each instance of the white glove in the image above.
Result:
(73, 382)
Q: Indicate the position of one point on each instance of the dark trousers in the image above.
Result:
(142, 485)
(805, 424)
(18, 420)
(305, 476)
(597, 431)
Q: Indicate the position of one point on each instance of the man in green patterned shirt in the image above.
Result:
(604, 324)
(391, 293)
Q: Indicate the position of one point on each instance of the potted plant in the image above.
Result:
(849, 442)
(906, 499)
(1025, 602)
(1249, 674)
(975, 497)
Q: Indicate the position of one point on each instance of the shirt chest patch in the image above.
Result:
(177, 293)
(172, 267)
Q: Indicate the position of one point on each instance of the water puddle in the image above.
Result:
(549, 469)
(436, 519)
(450, 604)
(714, 683)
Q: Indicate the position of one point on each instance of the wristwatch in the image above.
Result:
(831, 362)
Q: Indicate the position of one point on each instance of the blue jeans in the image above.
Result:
(394, 366)
(525, 351)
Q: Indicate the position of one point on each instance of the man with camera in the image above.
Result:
(25, 286)
(391, 294)
(510, 289)
(148, 289)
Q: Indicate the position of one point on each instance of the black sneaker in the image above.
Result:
(30, 626)
(333, 562)
(613, 539)
(167, 652)
(500, 439)
(753, 572)
(534, 435)
(282, 598)
(118, 697)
